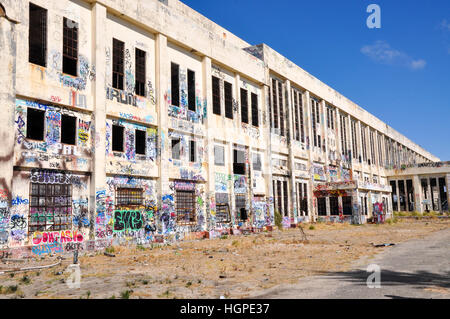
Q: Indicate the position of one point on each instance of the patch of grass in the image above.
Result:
(312, 227)
(112, 297)
(109, 250)
(188, 284)
(130, 284)
(140, 247)
(88, 294)
(145, 282)
(235, 243)
(165, 294)
(223, 237)
(11, 275)
(9, 290)
(126, 294)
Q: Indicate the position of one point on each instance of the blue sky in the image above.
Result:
(400, 73)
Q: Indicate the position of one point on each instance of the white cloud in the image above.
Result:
(382, 52)
(445, 25)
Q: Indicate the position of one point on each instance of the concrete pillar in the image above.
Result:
(162, 74)
(8, 55)
(308, 119)
(360, 143)
(98, 183)
(430, 196)
(448, 190)
(229, 165)
(406, 196)
(289, 108)
(397, 191)
(267, 163)
(207, 91)
(418, 196)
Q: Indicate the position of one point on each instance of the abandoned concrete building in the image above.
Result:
(143, 121)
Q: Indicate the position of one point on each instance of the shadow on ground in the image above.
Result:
(421, 279)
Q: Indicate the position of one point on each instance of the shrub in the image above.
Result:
(312, 227)
(125, 294)
(278, 220)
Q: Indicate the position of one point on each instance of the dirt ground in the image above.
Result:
(232, 267)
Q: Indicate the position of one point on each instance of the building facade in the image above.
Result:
(142, 121)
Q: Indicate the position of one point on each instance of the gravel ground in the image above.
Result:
(234, 267)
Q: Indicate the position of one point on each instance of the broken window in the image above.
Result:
(129, 198)
(175, 83)
(118, 64)
(285, 199)
(239, 162)
(281, 105)
(275, 104)
(70, 47)
(50, 207)
(185, 203)
(244, 106)
(216, 95)
(219, 155)
(192, 152)
(117, 137)
(35, 124)
(255, 114)
(191, 90)
(176, 148)
(37, 35)
(140, 72)
(228, 100)
(68, 129)
(140, 142)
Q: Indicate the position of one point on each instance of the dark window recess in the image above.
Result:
(117, 137)
(140, 72)
(241, 203)
(70, 47)
(275, 104)
(219, 155)
(228, 100)
(244, 106)
(129, 198)
(68, 129)
(255, 115)
(35, 124)
(347, 208)
(176, 149)
(322, 206)
(192, 152)
(50, 207)
(118, 64)
(238, 162)
(175, 83)
(281, 106)
(140, 142)
(216, 95)
(191, 90)
(334, 206)
(185, 203)
(285, 199)
(37, 35)
(257, 165)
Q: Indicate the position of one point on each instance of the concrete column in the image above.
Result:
(406, 196)
(162, 74)
(207, 91)
(290, 127)
(8, 55)
(430, 196)
(324, 131)
(418, 196)
(348, 138)
(308, 119)
(98, 182)
(448, 190)
(268, 153)
(229, 165)
(398, 197)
